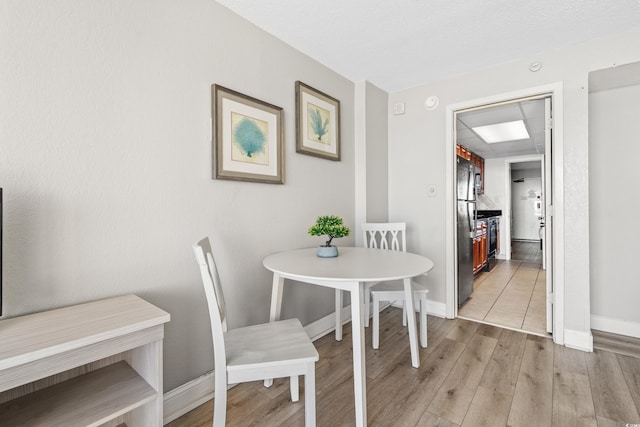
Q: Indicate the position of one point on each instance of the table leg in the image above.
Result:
(338, 314)
(359, 363)
(276, 297)
(411, 321)
(276, 307)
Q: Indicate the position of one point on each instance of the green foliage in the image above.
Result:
(319, 127)
(329, 225)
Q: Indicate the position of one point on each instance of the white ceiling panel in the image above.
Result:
(531, 112)
(405, 43)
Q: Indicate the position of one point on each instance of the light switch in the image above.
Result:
(432, 190)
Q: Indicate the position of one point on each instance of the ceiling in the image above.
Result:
(405, 43)
(529, 111)
(532, 113)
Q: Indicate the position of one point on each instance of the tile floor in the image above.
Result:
(512, 294)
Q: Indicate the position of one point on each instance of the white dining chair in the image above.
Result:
(270, 350)
(391, 236)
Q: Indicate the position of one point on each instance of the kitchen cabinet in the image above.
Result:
(476, 254)
(479, 164)
(477, 161)
(480, 253)
(463, 152)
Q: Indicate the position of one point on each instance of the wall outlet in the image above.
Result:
(432, 190)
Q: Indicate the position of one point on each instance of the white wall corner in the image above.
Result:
(360, 142)
(615, 326)
(578, 340)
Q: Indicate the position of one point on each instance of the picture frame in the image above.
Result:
(317, 123)
(247, 138)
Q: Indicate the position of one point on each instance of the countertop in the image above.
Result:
(488, 213)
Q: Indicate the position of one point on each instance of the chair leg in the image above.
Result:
(295, 388)
(363, 310)
(404, 313)
(339, 315)
(423, 322)
(375, 340)
(220, 400)
(367, 298)
(310, 395)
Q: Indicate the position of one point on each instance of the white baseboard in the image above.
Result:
(189, 396)
(615, 326)
(578, 340)
(434, 308)
(326, 324)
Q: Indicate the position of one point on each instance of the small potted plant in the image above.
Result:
(332, 226)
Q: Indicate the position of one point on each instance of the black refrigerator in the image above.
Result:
(466, 220)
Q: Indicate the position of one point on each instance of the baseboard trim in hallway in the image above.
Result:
(620, 344)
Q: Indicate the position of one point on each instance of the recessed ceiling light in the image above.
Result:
(502, 132)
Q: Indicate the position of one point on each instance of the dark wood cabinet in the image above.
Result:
(477, 161)
(480, 250)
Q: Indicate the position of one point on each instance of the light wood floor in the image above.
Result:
(471, 374)
(513, 293)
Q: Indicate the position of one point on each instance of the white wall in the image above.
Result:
(524, 196)
(105, 161)
(494, 196)
(417, 147)
(377, 155)
(614, 176)
(494, 179)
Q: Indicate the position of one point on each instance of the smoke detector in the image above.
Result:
(431, 103)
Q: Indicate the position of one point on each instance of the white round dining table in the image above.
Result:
(349, 271)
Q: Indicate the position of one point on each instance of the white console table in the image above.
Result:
(84, 365)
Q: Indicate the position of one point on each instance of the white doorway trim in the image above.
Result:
(556, 92)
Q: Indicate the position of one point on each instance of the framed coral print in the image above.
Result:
(317, 123)
(248, 141)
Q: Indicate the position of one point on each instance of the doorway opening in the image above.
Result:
(522, 211)
(527, 226)
(512, 292)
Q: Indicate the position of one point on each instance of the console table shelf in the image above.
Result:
(51, 352)
(87, 400)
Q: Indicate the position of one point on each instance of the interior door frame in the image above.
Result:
(555, 90)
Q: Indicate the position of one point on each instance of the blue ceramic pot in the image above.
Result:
(327, 251)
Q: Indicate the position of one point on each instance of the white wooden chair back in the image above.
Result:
(391, 235)
(215, 301)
